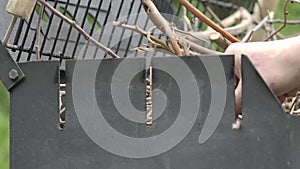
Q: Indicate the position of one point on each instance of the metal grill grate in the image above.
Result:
(60, 41)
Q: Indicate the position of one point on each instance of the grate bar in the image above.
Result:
(105, 20)
(58, 30)
(48, 27)
(114, 28)
(130, 38)
(96, 17)
(70, 29)
(80, 6)
(123, 31)
(102, 12)
(18, 33)
(82, 25)
(25, 37)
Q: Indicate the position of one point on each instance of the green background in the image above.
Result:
(294, 14)
(4, 125)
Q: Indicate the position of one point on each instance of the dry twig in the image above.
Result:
(206, 20)
(161, 23)
(140, 31)
(285, 14)
(248, 36)
(219, 40)
(213, 15)
(290, 22)
(187, 23)
(9, 31)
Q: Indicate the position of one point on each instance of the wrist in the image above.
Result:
(289, 54)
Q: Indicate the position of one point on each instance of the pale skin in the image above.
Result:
(278, 62)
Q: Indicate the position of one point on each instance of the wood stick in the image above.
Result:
(219, 40)
(161, 23)
(199, 49)
(291, 22)
(135, 28)
(206, 20)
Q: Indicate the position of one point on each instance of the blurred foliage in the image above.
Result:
(4, 125)
(294, 14)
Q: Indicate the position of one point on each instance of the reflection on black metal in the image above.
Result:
(268, 138)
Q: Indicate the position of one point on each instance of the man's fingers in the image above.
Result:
(281, 98)
(292, 93)
(238, 99)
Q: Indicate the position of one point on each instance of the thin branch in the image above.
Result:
(187, 23)
(232, 19)
(135, 28)
(151, 30)
(195, 35)
(206, 20)
(196, 24)
(241, 15)
(38, 32)
(184, 46)
(199, 49)
(285, 14)
(248, 36)
(162, 50)
(215, 16)
(196, 47)
(161, 23)
(290, 22)
(270, 26)
(9, 30)
(246, 21)
(79, 29)
(219, 40)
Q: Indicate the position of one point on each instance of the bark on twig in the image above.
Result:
(199, 49)
(206, 20)
(79, 29)
(214, 16)
(219, 40)
(187, 23)
(290, 22)
(246, 21)
(241, 15)
(162, 50)
(197, 36)
(9, 31)
(135, 28)
(161, 23)
(248, 36)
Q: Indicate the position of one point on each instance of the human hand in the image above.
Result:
(277, 62)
